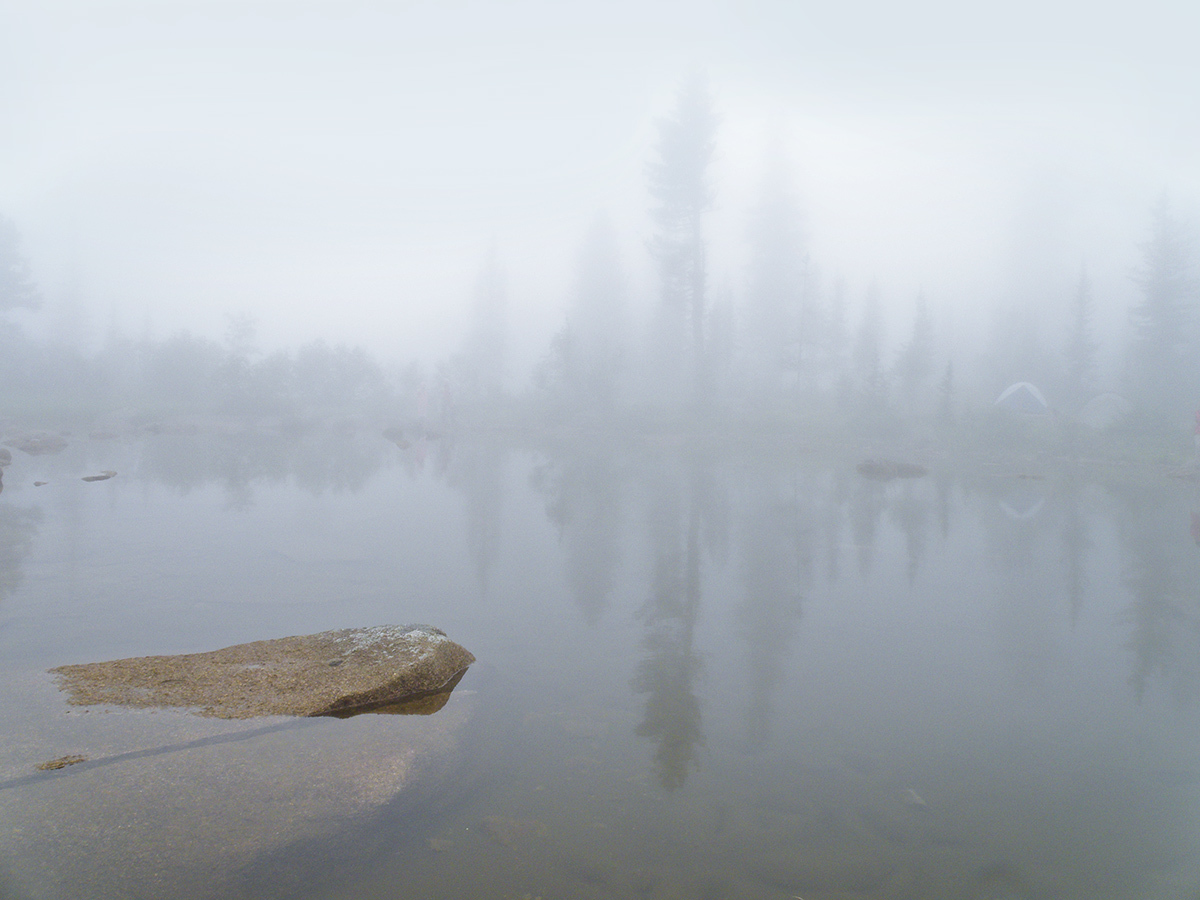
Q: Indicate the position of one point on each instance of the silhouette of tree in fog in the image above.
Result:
(1080, 353)
(482, 365)
(681, 190)
(868, 353)
(588, 353)
(945, 411)
(1162, 347)
(668, 673)
(835, 339)
(915, 364)
(182, 371)
(240, 348)
(17, 290)
(778, 322)
(1015, 350)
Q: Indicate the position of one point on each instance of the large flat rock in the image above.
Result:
(170, 804)
(331, 673)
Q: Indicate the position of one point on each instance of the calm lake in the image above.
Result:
(745, 674)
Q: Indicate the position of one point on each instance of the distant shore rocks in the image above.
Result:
(38, 444)
(334, 673)
(887, 469)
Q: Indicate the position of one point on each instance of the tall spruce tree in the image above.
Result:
(775, 317)
(17, 289)
(915, 363)
(681, 190)
(1161, 371)
(595, 320)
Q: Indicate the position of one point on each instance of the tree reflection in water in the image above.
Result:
(669, 670)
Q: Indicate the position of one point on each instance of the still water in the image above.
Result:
(746, 674)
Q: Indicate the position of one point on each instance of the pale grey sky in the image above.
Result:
(341, 168)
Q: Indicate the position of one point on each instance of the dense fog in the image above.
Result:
(520, 212)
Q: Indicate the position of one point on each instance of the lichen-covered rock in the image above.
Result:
(327, 674)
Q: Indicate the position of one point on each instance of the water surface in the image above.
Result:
(747, 674)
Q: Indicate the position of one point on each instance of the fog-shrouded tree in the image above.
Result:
(482, 365)
(17, 290)
(241, 336)
(1162, 348)
(1079, 355)
(1016, 350)
(868, 353)
(588, 353)
(680, 186)
(777, 320)
(835, 336)
(945, 410)
(915, 363)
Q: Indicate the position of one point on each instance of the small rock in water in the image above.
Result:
(103, 476)
(40, 483)
(61, 763)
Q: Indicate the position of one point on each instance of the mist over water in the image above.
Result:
(698, 672)
(794, 408)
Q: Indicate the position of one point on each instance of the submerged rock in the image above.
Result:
(170, 804)
(334, 673)
(103, 476)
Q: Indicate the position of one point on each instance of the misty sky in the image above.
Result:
(342, 168)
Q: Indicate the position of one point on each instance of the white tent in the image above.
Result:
(1023, 397)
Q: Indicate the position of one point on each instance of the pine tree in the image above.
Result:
(487, 341)
(682, 193)
(595, 319)
(17, 290)
(775, 318)
(915, 364)
(1161, 346)
(868, 349)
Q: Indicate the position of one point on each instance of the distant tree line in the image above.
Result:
(791, 349)
(780, 344)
